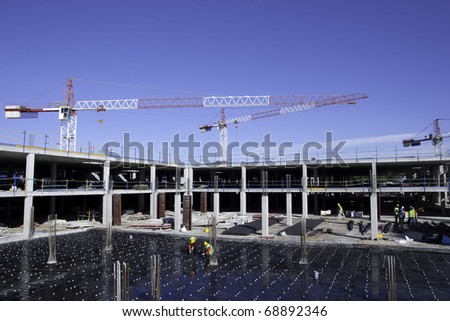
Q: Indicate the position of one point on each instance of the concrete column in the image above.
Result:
(53, 175)
(265, 214)
(188, 180)
(154, 193)
(243, 193)
(374, 203)
(288, 201)
(216, 197)
(216, 204)
(28, 219)
(264, 205)
(191, 180)
(107, 197)
(289, 208)
(141, 197)
(304, 191)
(177, 218)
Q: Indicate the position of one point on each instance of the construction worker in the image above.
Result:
(412, 220)
(397, 213)
(340, 211)
(192, 245)
(209, 250)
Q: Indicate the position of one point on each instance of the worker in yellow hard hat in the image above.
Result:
(209, 250)
(192, 245)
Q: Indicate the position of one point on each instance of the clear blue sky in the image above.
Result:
(397, 52)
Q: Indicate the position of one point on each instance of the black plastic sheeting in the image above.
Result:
(246, 270)
(295, 230)
(249, 228)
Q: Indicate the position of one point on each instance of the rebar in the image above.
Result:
(303, 260)
(155, 277)
(392, 291)
(121, 281)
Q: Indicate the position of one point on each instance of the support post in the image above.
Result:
(53, 176)
(28, 219)
(243, 193)
(177, 218)
(107, 205)
(374, 202)
(304, 260)
(154, 193)
(216, 204)
(264, 206)
(288, 200)
(107, 198)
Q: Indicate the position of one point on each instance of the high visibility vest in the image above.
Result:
(209, 249)
(412, 213)
(396, 211)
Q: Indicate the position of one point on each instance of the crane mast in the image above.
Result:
(436, 138)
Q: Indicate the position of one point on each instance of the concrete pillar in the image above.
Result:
(216, 204)
(374, 203)
(191, 181)
(154, 193)
(161, 205)
(265, 214)
(53, 176)
(264, 205)
(203, 202)
(243, 193)
(28, 219)
(304, 191)
(177, 218)
(107, 198)
(141, 197)
(304, 259)
(288, 200)
(289, 208)
(216, 197)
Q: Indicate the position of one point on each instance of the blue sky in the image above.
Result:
(397, 52)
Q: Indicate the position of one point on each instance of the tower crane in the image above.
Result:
(67, 113)
(291, 104)
(436, 138)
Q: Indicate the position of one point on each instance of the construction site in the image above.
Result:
(100, 226)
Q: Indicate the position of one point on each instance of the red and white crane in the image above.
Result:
(292, 104)
(67, 113)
